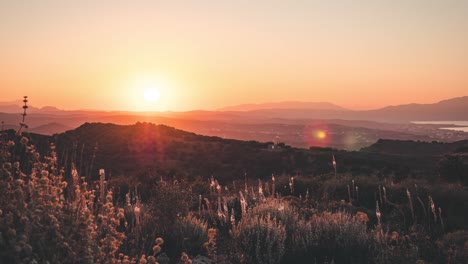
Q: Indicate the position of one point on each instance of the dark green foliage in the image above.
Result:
(454, 168)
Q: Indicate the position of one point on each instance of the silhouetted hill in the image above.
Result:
(143, 147)
(416, 148)
(146, 151)
(50, 129)
(452, 109)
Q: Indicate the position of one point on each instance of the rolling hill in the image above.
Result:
(144, 151)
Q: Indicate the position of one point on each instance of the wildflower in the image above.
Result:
(44, 181)
(211, 233)
(24, 140)
(121, 215)
(109, 197)
(185, 258)
(159, 241)
(361, 216)
(7, 166)
(11, 233)
(281, 207)
(156, 249)
(143, 259)
(63, 184)
(19, 182)
(151, 260)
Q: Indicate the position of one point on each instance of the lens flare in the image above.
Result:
(320, 134)
(317, 135)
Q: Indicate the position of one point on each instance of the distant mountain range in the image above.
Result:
(285, 105)
(291, 122)
(451, 109)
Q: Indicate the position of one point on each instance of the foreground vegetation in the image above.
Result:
(49, 214)
(53, 211)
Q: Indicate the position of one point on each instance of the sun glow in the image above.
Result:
(151, 95)
(150, 92)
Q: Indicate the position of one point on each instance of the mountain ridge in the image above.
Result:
(284, 105)
(444, 110)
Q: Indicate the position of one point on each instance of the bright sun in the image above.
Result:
(151, 95)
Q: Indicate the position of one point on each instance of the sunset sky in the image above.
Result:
(200, 54)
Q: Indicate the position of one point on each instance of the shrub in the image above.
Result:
(453, 247)
(42, 221)
(260, 238)
(189, 234)
(334, 236)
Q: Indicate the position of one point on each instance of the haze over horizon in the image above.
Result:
(6, 106)
(107, 55)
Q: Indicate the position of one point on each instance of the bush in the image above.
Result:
(453, 247)
(39, 223)
(189, 234)
(260, 238)
(332, 236)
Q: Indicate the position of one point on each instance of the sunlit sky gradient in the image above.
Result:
(210, 54)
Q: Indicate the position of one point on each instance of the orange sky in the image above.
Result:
(209, 54)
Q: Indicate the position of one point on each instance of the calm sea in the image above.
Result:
(462, 125)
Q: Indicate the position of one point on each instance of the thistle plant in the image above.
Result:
(199, 204)
(432, 205)
(102, 179)
(441, 219)
(291, 184)
(22, 123)
(357, 194)
(273, 185)
(410, 200)
(377, 212)
(349, 194)
(243, 203)
(260, 190)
